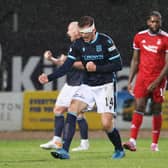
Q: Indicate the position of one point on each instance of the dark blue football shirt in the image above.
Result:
(102, 51)
(75, 76)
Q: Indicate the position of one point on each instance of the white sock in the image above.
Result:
(84, 142)
(132, 140)
(57, 138)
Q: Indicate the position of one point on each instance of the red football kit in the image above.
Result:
(152, 50)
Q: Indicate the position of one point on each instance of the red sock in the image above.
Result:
(136, 123)
(156, 123)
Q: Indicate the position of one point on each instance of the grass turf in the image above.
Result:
(28, 154)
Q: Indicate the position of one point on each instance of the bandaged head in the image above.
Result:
(88, 29)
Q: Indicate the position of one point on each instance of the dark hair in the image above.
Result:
(86, 21)
(154, 13)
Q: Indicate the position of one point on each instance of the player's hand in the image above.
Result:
(43, 78)
(152, 86)
(48, 55)
(130, 89)
(90, 66)
(62, 59)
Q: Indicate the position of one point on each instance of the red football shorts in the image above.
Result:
(141, 85)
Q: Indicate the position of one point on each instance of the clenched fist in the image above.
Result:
(43, 78)
(90, 66)
(48, 55)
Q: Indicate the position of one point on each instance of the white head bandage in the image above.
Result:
(87, 30)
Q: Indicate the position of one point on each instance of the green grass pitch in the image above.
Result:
(27, 154)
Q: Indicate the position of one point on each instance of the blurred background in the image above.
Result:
(28, 28)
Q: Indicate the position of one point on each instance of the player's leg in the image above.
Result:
(69, 129)
(81, 101)
(156, 125)
(141, 94)
(59, 125)
(106, 104)
(156, 109)
(62, 102)
(56, 141)
(70, 123)
(83, 128)
(113, 135)
(137, 119)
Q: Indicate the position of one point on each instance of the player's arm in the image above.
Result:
(133, 70)
(59, 61)
(49, 56)
(113, 57)
(162, 75)
(61, 71)
(134, 66)
(78, 65)
(114, 64)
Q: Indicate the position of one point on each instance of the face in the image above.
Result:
(87, 37)
(154, 24)
(73, 32)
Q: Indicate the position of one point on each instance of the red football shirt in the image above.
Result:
(152, 51)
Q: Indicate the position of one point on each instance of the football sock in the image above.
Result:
(83, 128)
(69, 130)
(115, 138)
(156, 124)
(58, 125)
(136, 123)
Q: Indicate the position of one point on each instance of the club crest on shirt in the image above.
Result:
(158, 42)
(98, 48)
(143, 41)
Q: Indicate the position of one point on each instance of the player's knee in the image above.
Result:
(140, 108)
(77, 106)
(107, 121)
(73, 106)
(59, 110)
(156, 112)
(81, 115)
(156, 108)
(107, 126)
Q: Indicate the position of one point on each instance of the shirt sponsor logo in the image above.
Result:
(93, 57)
(150, 48)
